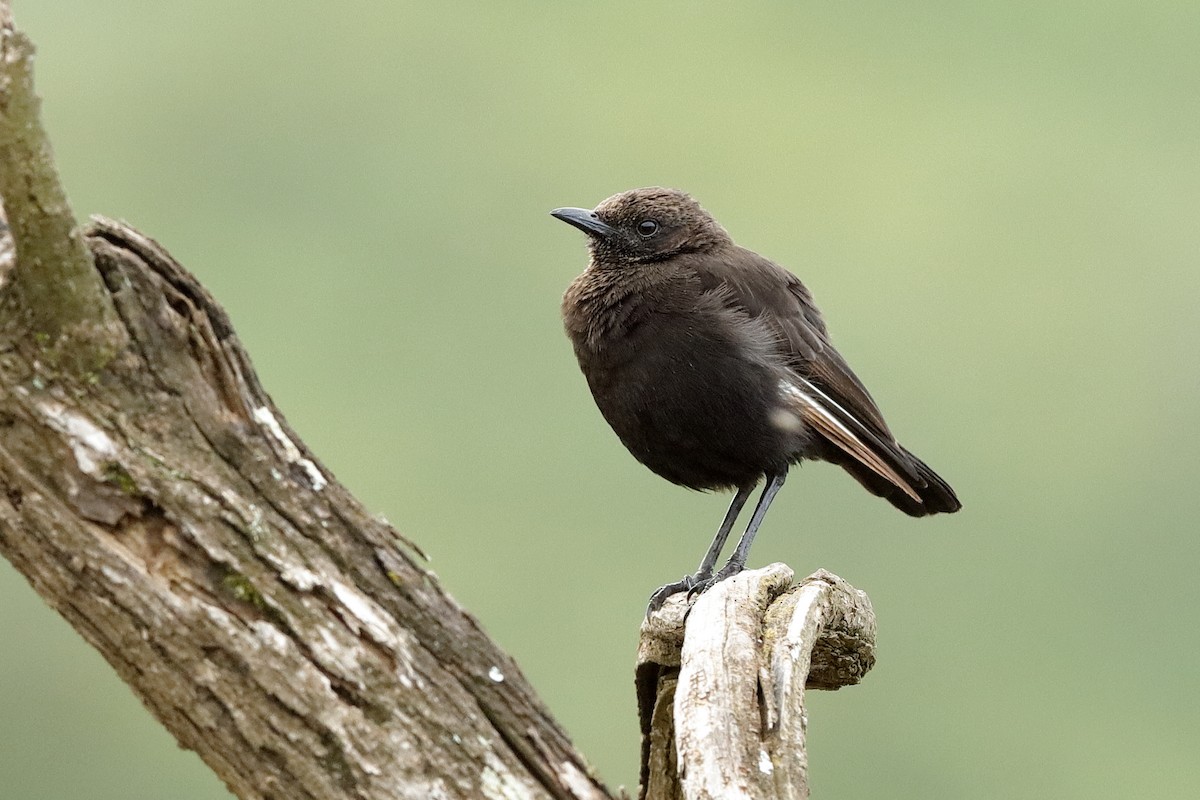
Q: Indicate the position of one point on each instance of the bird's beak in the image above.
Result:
(585, 220)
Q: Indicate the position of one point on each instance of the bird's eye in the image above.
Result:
(647, 227)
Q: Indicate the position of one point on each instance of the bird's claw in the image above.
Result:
(700, 586)
(694, 585)
(661, 594)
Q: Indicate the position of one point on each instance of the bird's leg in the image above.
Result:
(737, 561)
(718, 542)
(710, 558)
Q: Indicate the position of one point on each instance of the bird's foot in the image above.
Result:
(661, 594)
(694, 585)
(699, 587)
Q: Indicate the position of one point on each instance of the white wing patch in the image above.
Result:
(813, 405)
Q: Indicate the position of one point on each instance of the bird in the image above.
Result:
(714, 368)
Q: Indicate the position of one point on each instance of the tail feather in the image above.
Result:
(872, 456)
(869, 453)
(935, 495)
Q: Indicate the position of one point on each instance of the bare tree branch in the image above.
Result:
(268, 620)
(58, 289)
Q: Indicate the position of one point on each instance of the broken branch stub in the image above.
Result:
(721, 686)
(57, 292)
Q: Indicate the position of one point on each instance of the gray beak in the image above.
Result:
(585, 220)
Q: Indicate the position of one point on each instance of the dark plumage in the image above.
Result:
(714, 368)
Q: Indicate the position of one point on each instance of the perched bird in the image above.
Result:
(714, 368)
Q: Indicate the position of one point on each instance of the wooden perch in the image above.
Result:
(721, 700)
(154, 495)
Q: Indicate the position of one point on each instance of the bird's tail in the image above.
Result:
(870, 454)
(933, 494)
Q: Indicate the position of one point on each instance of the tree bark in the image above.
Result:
(154, 495)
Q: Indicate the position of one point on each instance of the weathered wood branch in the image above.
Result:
(721, 700)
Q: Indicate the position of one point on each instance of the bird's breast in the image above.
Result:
(693, 393)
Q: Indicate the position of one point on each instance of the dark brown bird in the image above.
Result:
(714, 368)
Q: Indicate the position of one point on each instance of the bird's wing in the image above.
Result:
(829, 396)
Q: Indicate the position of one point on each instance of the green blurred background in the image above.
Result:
(996, 205)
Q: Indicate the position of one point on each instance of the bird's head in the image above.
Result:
(645, 225)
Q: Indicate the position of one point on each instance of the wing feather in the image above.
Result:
(826, 392)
